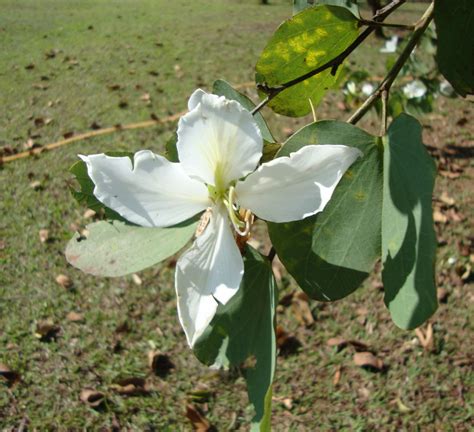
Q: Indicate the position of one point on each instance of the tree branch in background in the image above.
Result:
(420, 28)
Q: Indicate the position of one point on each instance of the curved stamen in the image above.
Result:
(241, 219)
(229, 203)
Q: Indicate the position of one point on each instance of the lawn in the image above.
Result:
(70, 66)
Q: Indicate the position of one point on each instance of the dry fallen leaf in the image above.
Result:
(364, 393)
(9, 376)
(286, 402)
(145, 97)
(74, 317)
(341, 343)
(301, 309)
(29, 144)
(178, 71)
(132, 386)
(439, 217)
(92, 397)
(36, 185)
(368, 360)
(89, 214)
(442, 294)
(46, 330)
(426, 338)
(160, 363)
(278, 269)
(40, 121)
(43, 235)
(64, 281)
(337, 375)
(197, 419)
(446, 199)
(286, 343)
(450, 174)
(137, 280)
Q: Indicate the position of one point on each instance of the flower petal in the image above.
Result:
(292, 188)
(218, 140)
(210, 271)
(153, 192)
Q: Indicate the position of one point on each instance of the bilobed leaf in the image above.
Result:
(223, 88)
(331, 253)
(408, 237)
(242, 333)
(301, 44)
(85, 193)
(116, 248)
(455, 25)
(299, 5)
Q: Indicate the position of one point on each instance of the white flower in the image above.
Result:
(390, 45)
(446, 89)
(219, 147)
(414, 89)
(367, 89)
(351, 88)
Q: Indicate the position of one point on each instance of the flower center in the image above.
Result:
(241, 218)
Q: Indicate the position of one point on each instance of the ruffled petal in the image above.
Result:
(208, 273)
(292, 188)
(153, 192)
(218, 140)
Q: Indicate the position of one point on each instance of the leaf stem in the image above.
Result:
(420, 28)
(333, 64)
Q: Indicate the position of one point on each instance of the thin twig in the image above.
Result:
(271, 254)
(333, 64)
(420, 28)
(384, 24)
(384, 123)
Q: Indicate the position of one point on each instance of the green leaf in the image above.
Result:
(85, 193)
(223, 88)
(116, 248)
(171, 151)
(242, 333)
(331, 253)
(301, 44)
(299, 5)
(455, 24)
(408, 237)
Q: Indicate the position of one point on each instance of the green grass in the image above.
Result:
(136, 45)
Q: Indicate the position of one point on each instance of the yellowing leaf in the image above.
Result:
(300, 45)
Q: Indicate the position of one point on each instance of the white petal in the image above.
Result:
(195, 99)
(218, 140)
(414, 89)
(154, 192)
(210, 271)
(390, 45)
(292, 188)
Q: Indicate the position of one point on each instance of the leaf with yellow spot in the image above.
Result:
(301, 44)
